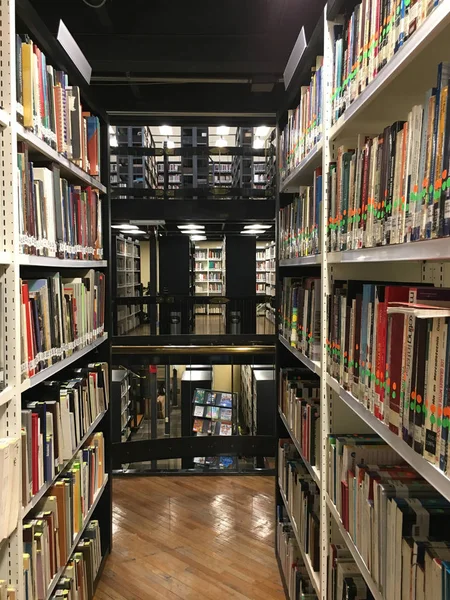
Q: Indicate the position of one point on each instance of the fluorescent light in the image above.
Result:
(112, 130)
(257, 226)
(262, 131)
(221, 142)
(153, 222)
(113, 141)
(166, 130)
(258, 143)
(222, 130)
(134, 231)
(191, 226)
(126, 226)
(170, 143)
(198, 238)
(252, 231)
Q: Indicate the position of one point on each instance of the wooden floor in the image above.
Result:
(192, 538)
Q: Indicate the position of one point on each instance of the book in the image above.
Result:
(60, 316)
(50, 529)
(299, 222)
(57, 218)
(303, 129)
(55, 425)
(10, 476)
(393, 186)
(52, 109)
(370, 35)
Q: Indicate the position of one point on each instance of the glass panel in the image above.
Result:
(195, 401)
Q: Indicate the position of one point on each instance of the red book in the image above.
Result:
(29, 328)
(386, 295)
(35, 452)
(394, 370)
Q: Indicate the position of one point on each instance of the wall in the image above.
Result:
(227, 378)
(222, 378)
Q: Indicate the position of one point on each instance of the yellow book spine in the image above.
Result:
(27, 84)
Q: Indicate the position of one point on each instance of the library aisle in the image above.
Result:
(192, 537)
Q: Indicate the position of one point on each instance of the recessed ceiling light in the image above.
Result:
(166, 130)
(198, 238)
(262, 131)
(124, 226)
(257, 226)
(252, 231)
(221, 142)
(222, 130)
(133, 231)
(191, 226)
(258, 143)
(170, 144)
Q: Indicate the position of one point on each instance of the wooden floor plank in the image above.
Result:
(192, 537)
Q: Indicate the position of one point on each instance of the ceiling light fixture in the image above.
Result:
(222, 130)
(256, 226)
(258, 143)
(198, 238)
(124, 226)
(191, 226)
(252, 231)
(148, 222)
(134, 231)
(170, 143)
(221, 142)
(262, 131)
(166, 130)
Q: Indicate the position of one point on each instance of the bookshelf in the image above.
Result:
(329, 255)
(209, 272)
(127, 281)
(133, 171)
(121, 405)
(44, 243)
(256, 403)
(242, 166)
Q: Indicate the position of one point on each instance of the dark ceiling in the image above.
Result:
(207, 56)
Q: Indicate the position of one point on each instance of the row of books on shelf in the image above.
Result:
(42, 555)
(298, 584)
(59, 316)
(367, 40)
(201, 254)
(213, 412)
(54, 425)
(300, 311)
(394, 187)
(303, 498)
(344, 577)
(52, 108)
(299, 222)
(396, 519)
(299, 401)
(210, 427)
(389, 345)
(55, 217)
(304, 125)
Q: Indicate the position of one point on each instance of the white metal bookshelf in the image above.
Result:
(400, 85)
(128, 282)
(11, 261)
(209, 271)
